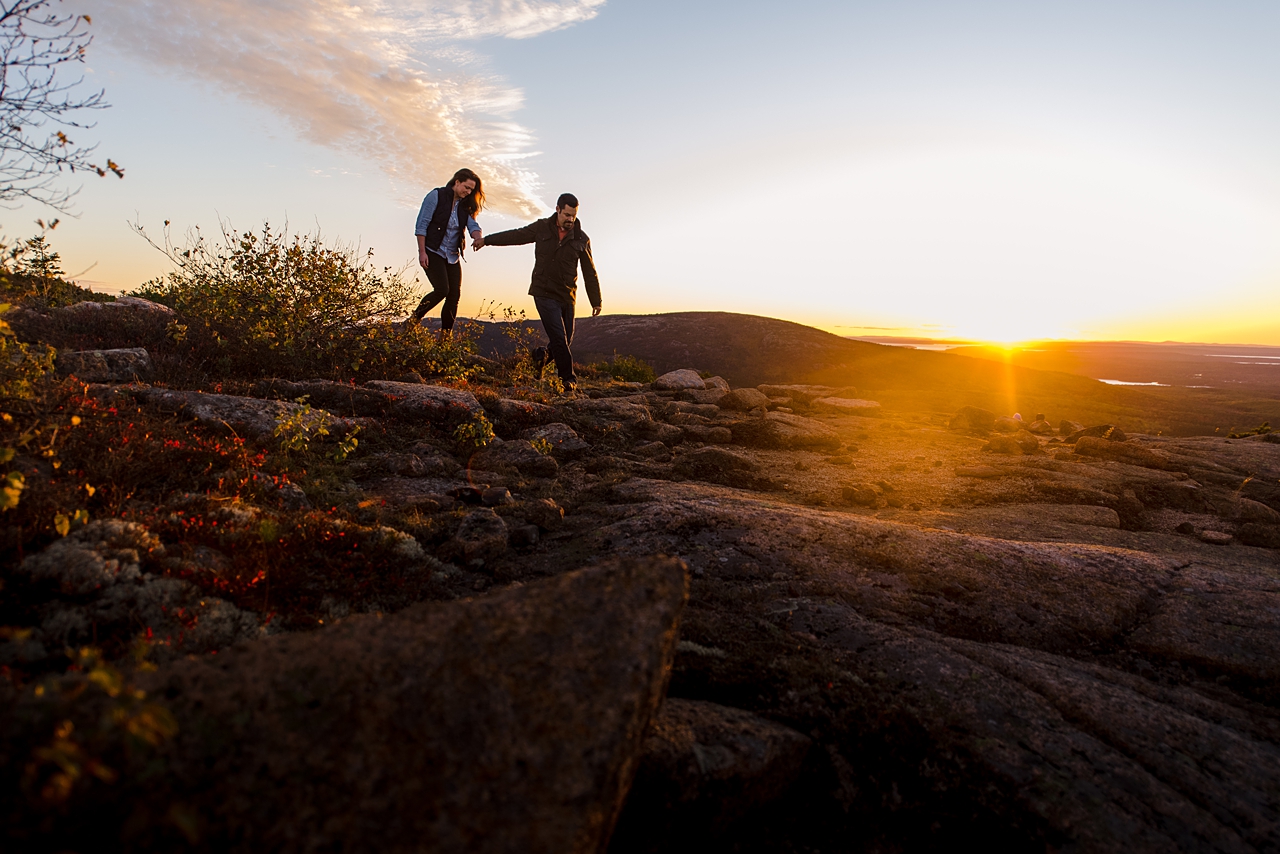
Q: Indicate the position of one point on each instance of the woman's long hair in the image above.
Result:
(477, 195)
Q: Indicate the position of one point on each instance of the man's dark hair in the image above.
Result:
(566, 200)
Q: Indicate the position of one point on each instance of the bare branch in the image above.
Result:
(40, 103)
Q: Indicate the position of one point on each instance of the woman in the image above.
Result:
(444, 212)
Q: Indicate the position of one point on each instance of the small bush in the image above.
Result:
(473, 435)
(627, 368)
(1261, 430)
(21, 365)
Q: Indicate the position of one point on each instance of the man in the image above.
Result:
(560, 245)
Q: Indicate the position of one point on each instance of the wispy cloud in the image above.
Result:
(387, 79)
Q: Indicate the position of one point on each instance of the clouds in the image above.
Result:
(389, 80)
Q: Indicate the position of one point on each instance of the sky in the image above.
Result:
(1000, 170)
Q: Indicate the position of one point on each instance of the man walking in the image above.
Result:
(560, 245)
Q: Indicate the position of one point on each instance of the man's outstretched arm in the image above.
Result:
(514, 237)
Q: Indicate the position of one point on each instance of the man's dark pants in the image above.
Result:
(557, 322)
(446, 286)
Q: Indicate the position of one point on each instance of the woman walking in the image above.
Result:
(445, 211)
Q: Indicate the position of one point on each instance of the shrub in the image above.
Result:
(21, 365)
(628, 369)
(268, 304)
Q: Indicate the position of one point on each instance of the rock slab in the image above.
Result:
(512, 722)
(704, 767)
(248, 416)
(431, 402)
(106, 366)
(783, 431)
(846, 406)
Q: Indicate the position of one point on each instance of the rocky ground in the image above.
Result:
(903, 630)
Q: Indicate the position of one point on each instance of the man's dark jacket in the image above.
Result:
(555, 261)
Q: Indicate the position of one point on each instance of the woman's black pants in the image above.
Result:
(446, 286)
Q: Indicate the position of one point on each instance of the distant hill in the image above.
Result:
(749, 350)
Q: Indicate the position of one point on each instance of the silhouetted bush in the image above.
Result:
(271, 305)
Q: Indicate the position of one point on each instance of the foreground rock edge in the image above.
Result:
(514, 721)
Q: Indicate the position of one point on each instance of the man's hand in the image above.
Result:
(478, 242)
(595, 311)
(424, 258)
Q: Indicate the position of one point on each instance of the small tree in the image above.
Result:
(37, 41)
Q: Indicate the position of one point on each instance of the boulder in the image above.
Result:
(496, 496)
(717, 383)
(543, 512)
(862, 494)
(1134, 455)
(1041, 427)
(519, 412)
(106, 366)
(248, 416)
(743, 400)
(125, 303)
(428, 402)
(973, 420)
(1216, 538)
(1101, 431)
(798, 393)
(1248, 510)
(511, 722)
(517, 454)
(715, 465)
(564, 441)
(679, 380)
(787, 432)
(705, 767)
(1066, 428)
(669, 434)
(1004, 424)
(481, 536)
(845, 406)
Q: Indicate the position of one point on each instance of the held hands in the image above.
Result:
(478, 242)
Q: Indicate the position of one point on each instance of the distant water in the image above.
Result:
(1122, 382)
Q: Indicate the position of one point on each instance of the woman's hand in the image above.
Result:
(424, 258)
(478, 242)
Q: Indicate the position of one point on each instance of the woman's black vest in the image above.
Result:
(440, 217)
